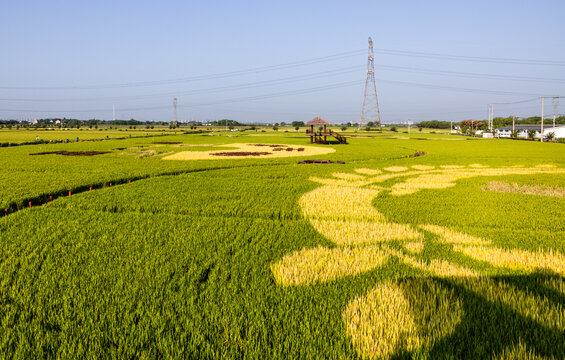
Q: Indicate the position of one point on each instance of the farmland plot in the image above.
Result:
(385, 256)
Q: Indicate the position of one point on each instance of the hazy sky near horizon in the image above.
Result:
(267, 61)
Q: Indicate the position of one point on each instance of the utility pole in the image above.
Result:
(175, 110)
(541, 129)
(555, 109)
(490, 116)
(370, 109)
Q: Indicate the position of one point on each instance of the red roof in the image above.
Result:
(318, 121)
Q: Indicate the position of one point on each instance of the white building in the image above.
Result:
(522, 131)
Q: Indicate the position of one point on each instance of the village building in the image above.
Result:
(522, 131)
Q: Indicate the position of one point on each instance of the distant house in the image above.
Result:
(522, 131)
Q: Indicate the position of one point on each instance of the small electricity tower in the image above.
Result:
(370, 110)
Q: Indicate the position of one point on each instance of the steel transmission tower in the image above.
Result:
(370, 110)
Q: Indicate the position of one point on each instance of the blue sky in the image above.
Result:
(225, 59)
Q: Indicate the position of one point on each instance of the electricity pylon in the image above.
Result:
(370, 110)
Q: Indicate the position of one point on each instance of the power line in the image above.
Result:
(452, 88)
(248, 98)
(470, 74)
(516, 102)
(471, 58)
(197, 78)
(323, 74)
(311, 61)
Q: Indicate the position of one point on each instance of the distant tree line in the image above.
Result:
(507, 121)
(434, 124)
(225, 122)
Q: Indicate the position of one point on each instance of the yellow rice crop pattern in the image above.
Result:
(348, 176)
(390, 319)
(516, 259)
(450, 174)
(519, 351)
(340, 203)
(451, 166)
(450, 236)
(324, 264)
(525, 189)
(381, 323)
(368, 171)
(414, 247)
(266, 152)
(536, 307)
(396, 168)
(353, 232)
(423, 167)
(405, 316)
(435, 267)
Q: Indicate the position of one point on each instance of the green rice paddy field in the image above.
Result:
(456, 254)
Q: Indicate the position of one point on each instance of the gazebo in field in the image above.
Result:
(316, 136)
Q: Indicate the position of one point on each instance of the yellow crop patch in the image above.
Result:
(335, 203)
(368, 171)
(525, 189)
(352, 232)
(516, 259)
(396, 168)
(401, 316)
(533, 306)
(436, 267)
(246, 151)
(423, 167)
(447, 235)
(380, 323)
(519, 351)
(323, 264)
(415, 247)
(391, 319)
(348, 176)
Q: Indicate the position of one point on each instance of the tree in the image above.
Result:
(420, 128)
(531, 133)
(343, 128)
(550, 136)
(297, 128)
(393, 129)
(283, 123)
(276, 128)
(276, 124)
(435, 124)
(298, 123)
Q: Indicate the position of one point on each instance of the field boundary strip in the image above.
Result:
(53, 142)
